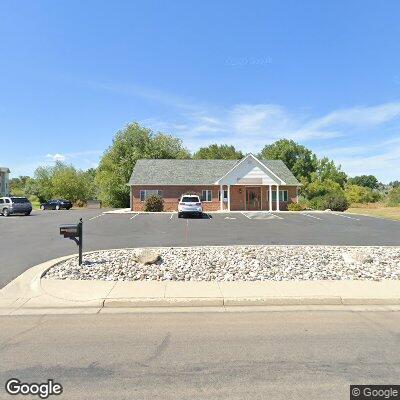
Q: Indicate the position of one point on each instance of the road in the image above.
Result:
(27, 241)
(309, 355)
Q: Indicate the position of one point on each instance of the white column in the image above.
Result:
(221, 197)
(297, 194)
(270, 198)
(277, 197)
(229, 197)
(130, 197)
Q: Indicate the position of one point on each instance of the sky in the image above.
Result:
(325, 74)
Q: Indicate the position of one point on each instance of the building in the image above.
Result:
(247, 184)
(4, 181)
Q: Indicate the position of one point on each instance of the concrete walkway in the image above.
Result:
(30, 294)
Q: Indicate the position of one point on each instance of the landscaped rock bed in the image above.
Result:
(235, 263)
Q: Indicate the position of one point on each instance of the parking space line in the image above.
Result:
(245, 214)
(134, 216)
(346, 216)
(276, 216)
(97, 216)
(311, 216)
(172, 214)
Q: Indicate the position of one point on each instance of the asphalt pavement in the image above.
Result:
(27, 241)
(278, 355)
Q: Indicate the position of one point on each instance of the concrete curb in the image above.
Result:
(30, 294)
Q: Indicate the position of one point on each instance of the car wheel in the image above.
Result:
(57, 207)
(28, 213)
(6, 213)
(42, 207)
(179, 215)
(200, 215)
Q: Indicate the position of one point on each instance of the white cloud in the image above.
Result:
(56, 157)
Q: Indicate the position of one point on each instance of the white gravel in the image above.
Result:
(237, 263)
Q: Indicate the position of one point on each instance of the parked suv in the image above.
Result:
(56, 205)
(190, 204)
(15, 205)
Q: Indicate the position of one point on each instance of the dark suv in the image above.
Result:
(15, 205)
(56, 205)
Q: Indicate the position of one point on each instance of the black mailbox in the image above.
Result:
(74, 232)
(70, 230)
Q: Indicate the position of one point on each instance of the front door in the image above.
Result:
(253, 198)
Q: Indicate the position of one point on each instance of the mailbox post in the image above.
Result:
(74, 232)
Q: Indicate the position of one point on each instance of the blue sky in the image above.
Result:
(326, 74)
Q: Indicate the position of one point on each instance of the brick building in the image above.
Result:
(247, 184)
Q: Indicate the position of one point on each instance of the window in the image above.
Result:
(283, 196)
(144, 194)
(206, 195)
(190, 199)
(225, 195)
(8, 201)
(1, 201)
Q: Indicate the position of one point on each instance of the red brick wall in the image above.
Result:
(172, 194)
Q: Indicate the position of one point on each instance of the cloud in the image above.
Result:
(56, 157)
(363, 138)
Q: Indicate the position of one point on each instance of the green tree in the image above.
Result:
(360, 194)
(318, 188)
(300, 160)
(69, 183)
(18, 185)
(327, 170)
(218, 152)
(61, 181)
(42, 185)
(368, 181)
(130, 144)
(393, 197)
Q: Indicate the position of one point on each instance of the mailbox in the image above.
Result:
(74, 232)
(70, 230)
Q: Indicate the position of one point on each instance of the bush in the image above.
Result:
(296, 207)
(360, 194)
(320, 189)
(336, 202)
(80, 203)
(393, 197)
(317, 203)
(333, 201)
(154, 203)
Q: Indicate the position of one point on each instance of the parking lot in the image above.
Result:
(27, 241)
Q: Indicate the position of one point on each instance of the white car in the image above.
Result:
(190, 204)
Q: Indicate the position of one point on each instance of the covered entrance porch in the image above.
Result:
(251, 197)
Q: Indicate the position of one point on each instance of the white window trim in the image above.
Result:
(159, 193)
(283, 196)
(225, 199)
(205, 197)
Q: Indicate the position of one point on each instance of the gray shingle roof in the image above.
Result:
(195, 172)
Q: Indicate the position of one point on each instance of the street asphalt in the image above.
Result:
(27, 241)
(278, 355)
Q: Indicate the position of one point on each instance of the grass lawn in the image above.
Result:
(376, 210)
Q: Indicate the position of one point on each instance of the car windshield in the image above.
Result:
(19, 200)
(190, 199)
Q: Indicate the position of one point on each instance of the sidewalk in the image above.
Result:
(29, 294)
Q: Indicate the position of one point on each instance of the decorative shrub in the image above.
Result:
(154, 203)
(296, 207)
(336, 202)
